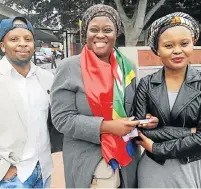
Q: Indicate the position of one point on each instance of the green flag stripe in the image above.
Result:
(125, 67)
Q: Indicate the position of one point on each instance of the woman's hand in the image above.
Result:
(119, 127)
(144, 142)
(152, 124)
(193, 130)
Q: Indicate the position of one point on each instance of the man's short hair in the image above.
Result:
(7, 25)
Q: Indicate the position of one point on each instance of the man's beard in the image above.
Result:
(21, 63)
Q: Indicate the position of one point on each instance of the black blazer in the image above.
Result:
(172, 138)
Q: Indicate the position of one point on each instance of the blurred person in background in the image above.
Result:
(53, 61)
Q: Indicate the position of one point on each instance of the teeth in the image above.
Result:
(100, 44)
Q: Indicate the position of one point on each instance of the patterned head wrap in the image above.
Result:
(96, 11)
(168, 21)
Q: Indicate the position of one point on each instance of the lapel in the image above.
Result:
(187, 93)
(129, 96)
(45, 81)
(13, 95)
(158, 94)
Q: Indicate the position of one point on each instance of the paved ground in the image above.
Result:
(47, 66)
(57, 180)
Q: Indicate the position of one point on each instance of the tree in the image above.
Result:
(192, 7)
(52, 12)
(134, 26)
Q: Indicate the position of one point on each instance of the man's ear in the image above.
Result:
(2, 47)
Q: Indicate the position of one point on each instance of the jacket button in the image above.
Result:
(48, 91)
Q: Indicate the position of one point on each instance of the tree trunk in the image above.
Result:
(128, 35)
(133, 27)
(138, 23)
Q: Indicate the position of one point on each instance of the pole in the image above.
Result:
(80, 27)
(34, 57)
(66, 44)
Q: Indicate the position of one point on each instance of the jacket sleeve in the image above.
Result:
(178, 148)
(166, 133)
(65, 115)
(140, 110)
(182, 147)
(140, 101)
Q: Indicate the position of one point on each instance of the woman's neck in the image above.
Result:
(174, 78)
(175, 74)
(105, 59)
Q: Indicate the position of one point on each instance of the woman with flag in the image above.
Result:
(92, 99)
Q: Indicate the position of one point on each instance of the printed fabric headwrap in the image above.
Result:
(96, 11)
(105, 86)
(168, 21)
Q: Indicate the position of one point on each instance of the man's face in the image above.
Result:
(18, 45)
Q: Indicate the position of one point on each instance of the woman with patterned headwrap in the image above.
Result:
(92, 97)
(172, 157)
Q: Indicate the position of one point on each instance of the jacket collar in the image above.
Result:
(186, 94)
(158, 77)
(191, 75)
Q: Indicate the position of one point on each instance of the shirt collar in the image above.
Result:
(11, 69)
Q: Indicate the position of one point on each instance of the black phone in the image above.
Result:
(138, 138)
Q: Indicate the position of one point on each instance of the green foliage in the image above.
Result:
(68, 12)
(192, 7)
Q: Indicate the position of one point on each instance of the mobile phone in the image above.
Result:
(138, 138)
(144, 121)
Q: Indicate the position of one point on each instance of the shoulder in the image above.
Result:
(156, 77)
(146, 79)
(68, 71)
(194, 71)
(45, 73)
(68, 67)
(193, 76)
(70, 62)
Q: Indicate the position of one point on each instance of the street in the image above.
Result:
(47, 66)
